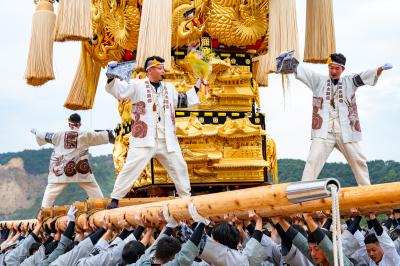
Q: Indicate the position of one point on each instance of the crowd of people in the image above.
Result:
(302, 239)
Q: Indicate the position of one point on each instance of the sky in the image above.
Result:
(367, 33)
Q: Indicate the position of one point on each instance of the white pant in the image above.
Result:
(54, 189)
(139, 157)
(321, 149)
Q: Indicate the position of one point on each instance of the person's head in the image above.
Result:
(132, 252)
(300, 229)
(226, 234)
(315, 251)
(34, 247)
(336, 64)
(74, 120)
(374, 249)
(154, 66)
(167, 248)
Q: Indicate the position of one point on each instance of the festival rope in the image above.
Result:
(336, 235)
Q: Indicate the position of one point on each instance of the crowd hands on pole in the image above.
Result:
(300, 239)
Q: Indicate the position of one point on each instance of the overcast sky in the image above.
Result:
(367, 33)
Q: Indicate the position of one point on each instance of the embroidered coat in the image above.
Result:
(323, 90)
(144, 128)
(69, 161)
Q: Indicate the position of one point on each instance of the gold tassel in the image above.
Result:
(272, 161)
(155, 32)
(39, 68)
(320, 39)
(83, 89)
(283, 35)
(74, 21)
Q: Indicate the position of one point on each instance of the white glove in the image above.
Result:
(171, 222)
(33, 131)
(196, 216)
(198, 83)
(387, 66)
(71, 213)
(112, 64)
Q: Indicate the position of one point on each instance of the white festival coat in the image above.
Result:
(69, 162)
(323, 90)
(144, 128)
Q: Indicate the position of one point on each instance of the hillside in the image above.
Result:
(23, 178)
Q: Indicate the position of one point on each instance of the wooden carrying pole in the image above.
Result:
(266, 200)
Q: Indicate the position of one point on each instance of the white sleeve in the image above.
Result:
(309, 77)
(369, 77)
(390, 252)
(121, 89)
(192, 97)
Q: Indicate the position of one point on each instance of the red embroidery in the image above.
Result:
(353, 113)
(139, 108)
(83, 167)
(71, 140)
(69, 169)
(139, 129)
(316, 118)
(57, 164)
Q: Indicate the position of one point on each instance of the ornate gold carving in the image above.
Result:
(187, 30)
(218, 153)
(234, 23)
(115, 27)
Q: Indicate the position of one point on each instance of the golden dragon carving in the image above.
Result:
(237, 22)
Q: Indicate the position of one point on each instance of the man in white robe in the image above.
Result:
(69, 162)
(153, 131)
(335, 122)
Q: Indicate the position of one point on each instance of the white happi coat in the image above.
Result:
(323, 90)
(144, 128)
(69, 161)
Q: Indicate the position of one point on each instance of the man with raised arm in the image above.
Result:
(153, 131)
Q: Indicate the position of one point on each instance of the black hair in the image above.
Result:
(371, 239)
(151, 58)
(311, 238)
(167, 247)
(226, 234)
(74, 118)
(338, 58)
(300, 229)
(33, 248)
(132, 252)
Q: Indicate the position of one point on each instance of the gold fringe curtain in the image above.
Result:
(155, 31)
(39, 68)
(74, 21)
(320, 39)
(272, 161)
(83, 89)
(283, 35)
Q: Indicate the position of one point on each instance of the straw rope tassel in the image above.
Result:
(155, 31)
(283, 35)
(320, 39)
(84, 86)
(74, 21)
(39, 68)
